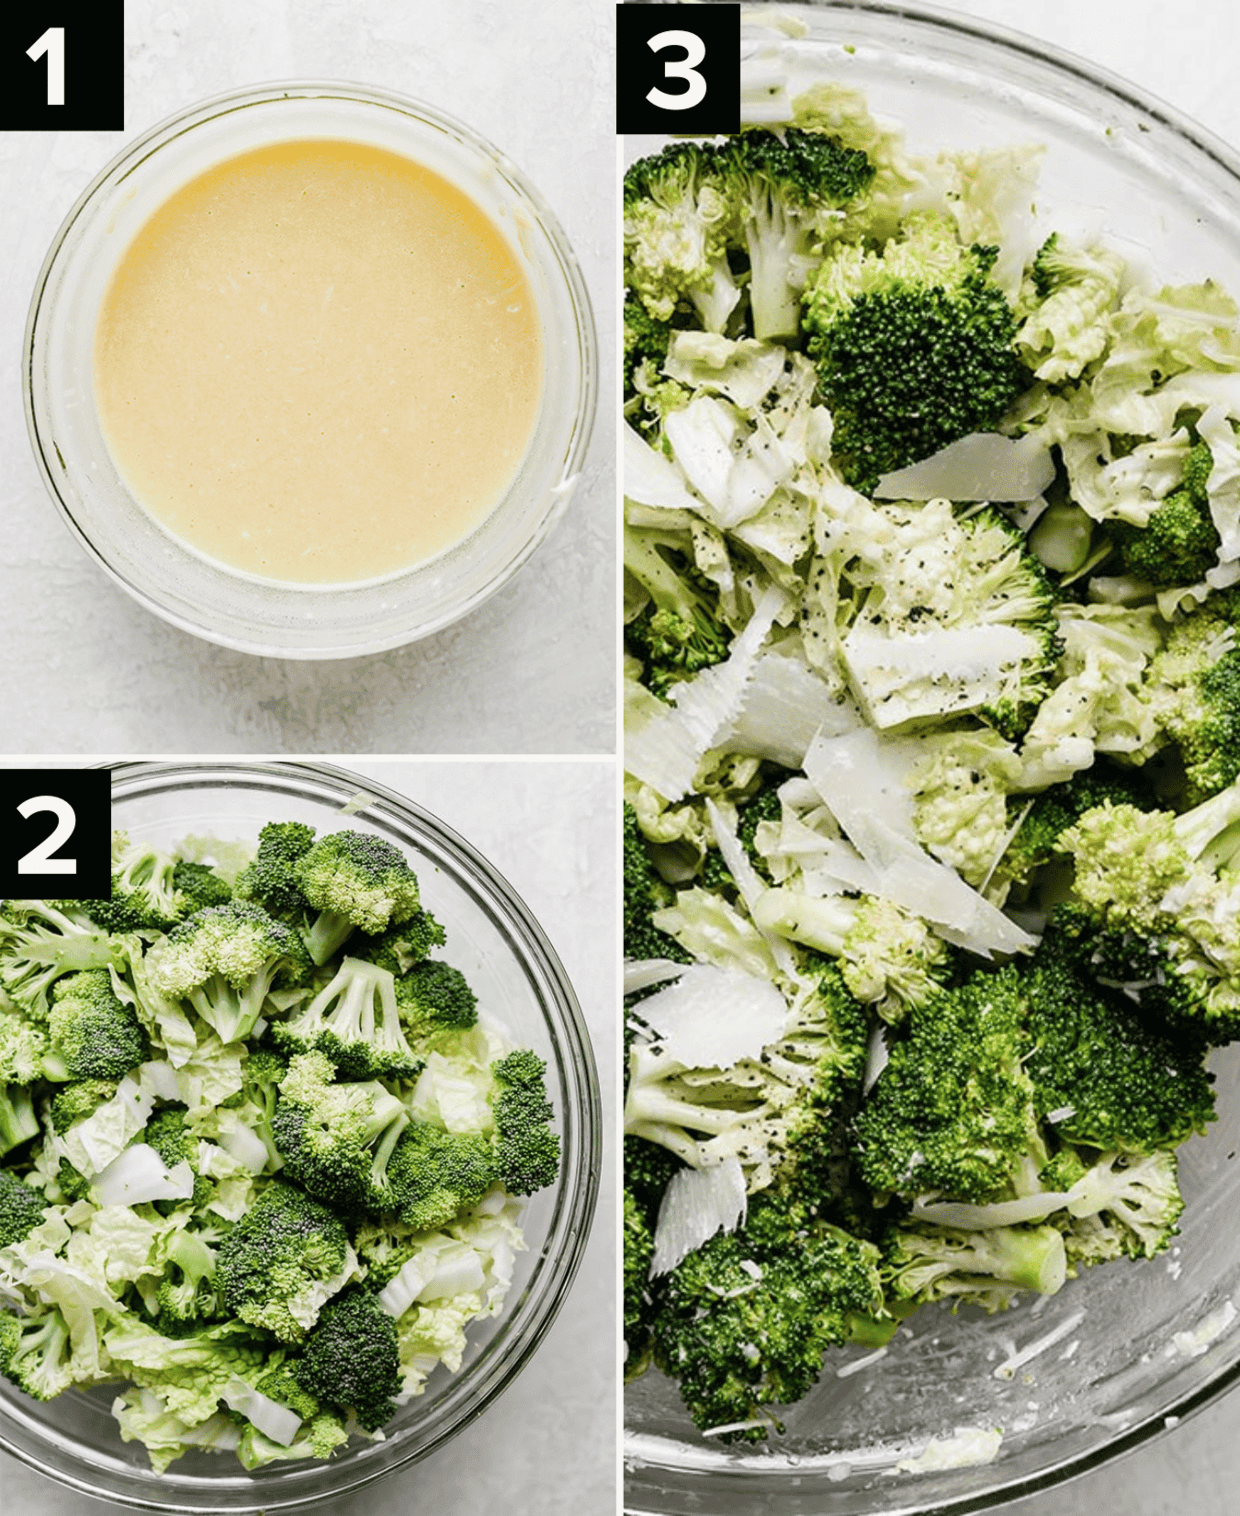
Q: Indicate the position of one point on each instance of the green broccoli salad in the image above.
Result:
(261, 1159)
(932, 700)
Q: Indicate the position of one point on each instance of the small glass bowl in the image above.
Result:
(163, 572)
(1130, 1347)
(497, 944)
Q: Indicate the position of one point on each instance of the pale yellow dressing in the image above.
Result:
(319, 362)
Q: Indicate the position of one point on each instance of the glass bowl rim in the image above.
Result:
(1098, 80)
(578, 1188)
(563, 265)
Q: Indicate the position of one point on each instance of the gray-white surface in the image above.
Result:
(83, 668)
(547, 1446)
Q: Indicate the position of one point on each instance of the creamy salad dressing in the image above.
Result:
(319, 362)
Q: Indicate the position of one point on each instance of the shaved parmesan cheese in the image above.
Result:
(652, 479)
(696, 1205)
(983, 466)
(943, 670)
(980, 1218)
(641, 973)
(786, 705)
(712, 1018)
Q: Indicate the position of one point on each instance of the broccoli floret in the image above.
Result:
(93, 1034)
(645, 342)
(23, 1046)
(168, 1135)
(198, 887)
(354, 880)
(36, 1354)
(280, 1261)
(1111, 1079)
(985, 1267)
(1194, 684)
(676, 221)
(1135, 1197)
(1179, 542)
(433, 1175)
(638, 1301)
(336, 1139)
(678, 630)
(952, 1111)
(355, 1021)
(644, 893)
(743, 1321)
(784, 193)
(527, 1151)
(76, 1101)
(186, 1297)
(72, 1185)
(435, 997)
(401, 947)
(914, 347)
(270, 879)
(351, 1359)
(21, 1209)
(38, 944)
(224, 960)
(780, 1113)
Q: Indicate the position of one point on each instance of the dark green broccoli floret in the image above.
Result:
(638, 1247)
(914, 347)
(76, 1101)
(199, 886)
(527, 1151)
(952, 1111)
(744, 1320)
(678, 631)
(433, 1175)
(645, 892)
(270, 1267)
(336, 1139)
(351, 1359)
(186, 1297)
(72, 1185)
(784, 192)
(1124, 1084)
(1179, 542)
(354, 880)
(401, 947)
(167, 1133)
(21, 1209)
(435, 997)
(354, 1020)
(223, 960)
(38, 944)
(270, 880)
(93, 1033)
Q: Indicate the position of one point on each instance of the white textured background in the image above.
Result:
(546, 1447)
(83, 668)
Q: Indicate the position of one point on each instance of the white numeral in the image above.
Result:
(39, 859)
(682, 68)
(52, 42)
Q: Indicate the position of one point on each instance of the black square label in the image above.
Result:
(56, 840)
(62, 66)
(678, 68)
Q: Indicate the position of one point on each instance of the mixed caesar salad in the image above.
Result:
(262, 1158)
(932, 711)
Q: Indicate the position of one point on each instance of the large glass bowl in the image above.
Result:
(1138, 1344)
(520, 982)
(162, 571)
